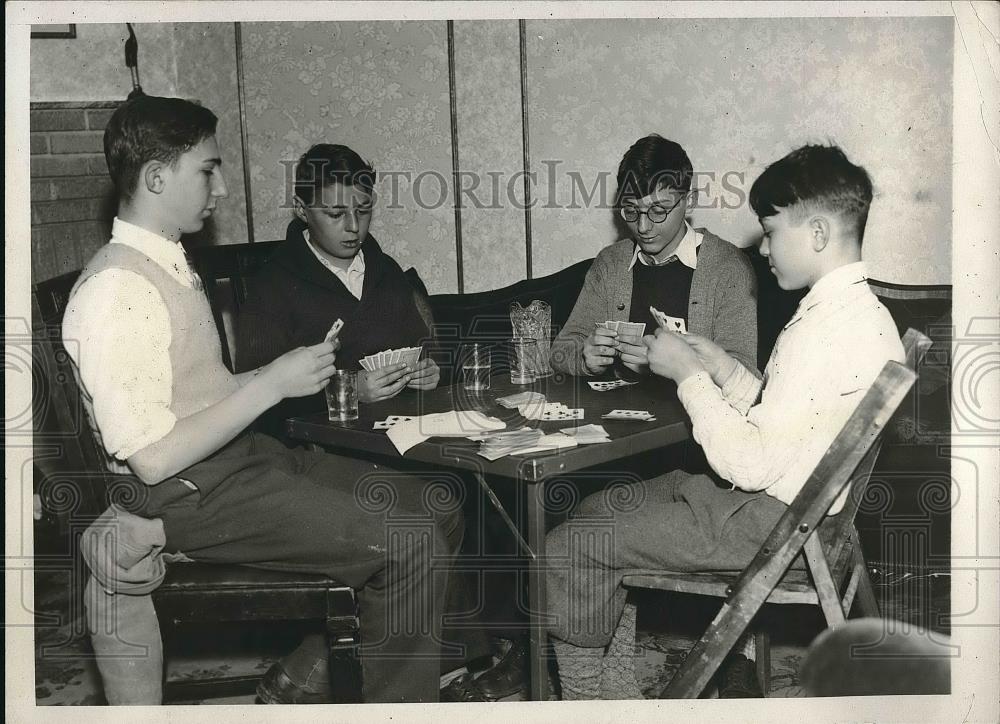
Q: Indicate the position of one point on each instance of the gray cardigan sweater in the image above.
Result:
(722, 305)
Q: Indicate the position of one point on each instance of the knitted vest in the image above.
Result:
(199, 379)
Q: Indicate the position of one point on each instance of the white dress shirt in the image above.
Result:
(686, 251)
(823, 363)
(353, 277)
(117, 331)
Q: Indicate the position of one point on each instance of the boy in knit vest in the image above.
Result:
(147, 354)
(762, 439)
(683, 272)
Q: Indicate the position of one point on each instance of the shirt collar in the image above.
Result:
(686, 252)
(168, 254)
(357, 265)
(831, 286)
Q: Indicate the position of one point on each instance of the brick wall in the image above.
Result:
(72, 198)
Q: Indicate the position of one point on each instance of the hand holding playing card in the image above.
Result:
(633, 353)
(670, 356)
(426, 375)
(599, 349)
(716, 360)
(383, 383)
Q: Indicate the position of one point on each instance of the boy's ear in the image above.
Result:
(692, 201)
(298, 208)
(819, 232)
(154, 176)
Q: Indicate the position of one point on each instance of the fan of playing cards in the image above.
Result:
(629, 329)
(671, 324)
(409, 355)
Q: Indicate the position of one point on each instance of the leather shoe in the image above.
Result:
(462, 688)
(739, 679)
(509, 676)
(278, 688)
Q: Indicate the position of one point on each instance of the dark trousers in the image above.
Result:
(385, 534)
(675, 522)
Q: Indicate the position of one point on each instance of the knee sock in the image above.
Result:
(618, 666)
(579, 670)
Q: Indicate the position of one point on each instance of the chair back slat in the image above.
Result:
(835, 531)
(226, 271)
(834, 471)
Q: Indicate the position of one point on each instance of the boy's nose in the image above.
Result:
(351, 221)
(220, 189)
(764, 247)
(644, 224)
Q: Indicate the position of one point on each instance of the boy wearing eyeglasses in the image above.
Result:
(686, 273)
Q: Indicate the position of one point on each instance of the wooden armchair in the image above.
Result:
(192, 593)
(837, 576)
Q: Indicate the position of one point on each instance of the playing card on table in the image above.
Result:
(587, 434)
(604, 386)
(521, 398)
(390, 421)
(563, 413)
(643, 415)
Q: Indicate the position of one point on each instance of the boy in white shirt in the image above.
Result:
(762, 438)
(147, 354)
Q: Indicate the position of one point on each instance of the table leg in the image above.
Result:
(538, 636)
(528, 549)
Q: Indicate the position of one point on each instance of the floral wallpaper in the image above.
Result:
(739, 94)
(206, 71)
(488, 99)
(380, 88)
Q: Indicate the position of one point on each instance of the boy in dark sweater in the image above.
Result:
(684, 272)
(330, 268)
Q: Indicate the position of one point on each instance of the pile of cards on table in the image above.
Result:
(390, 421)
(373, 362)
(629, 329)
(533, 406)
(640, 415)
(587, 434)
(519, 442)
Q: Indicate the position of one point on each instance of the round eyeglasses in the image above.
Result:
(655, 213)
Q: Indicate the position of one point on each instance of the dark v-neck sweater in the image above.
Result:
(294, 300)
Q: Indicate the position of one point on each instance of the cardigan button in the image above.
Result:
(621, 307)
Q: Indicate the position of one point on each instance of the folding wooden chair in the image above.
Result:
(837, 573)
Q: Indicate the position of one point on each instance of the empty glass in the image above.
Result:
(476, 360)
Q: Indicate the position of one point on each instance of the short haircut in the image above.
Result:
(147, 128)
(814, 178)
(327, 163)
(650, 164)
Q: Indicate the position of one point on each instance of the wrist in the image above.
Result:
(262, 389)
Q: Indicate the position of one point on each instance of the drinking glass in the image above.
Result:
(523, 360)
(342, 396)
(476, 367)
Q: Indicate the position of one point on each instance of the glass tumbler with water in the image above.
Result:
(342, 396)
(523, 360)
(476, 367)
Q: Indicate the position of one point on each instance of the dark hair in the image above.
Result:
(147, 128)
(327, 163)
(814, 176)
(650, 164)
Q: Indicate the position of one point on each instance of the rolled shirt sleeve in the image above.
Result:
(117, 331)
